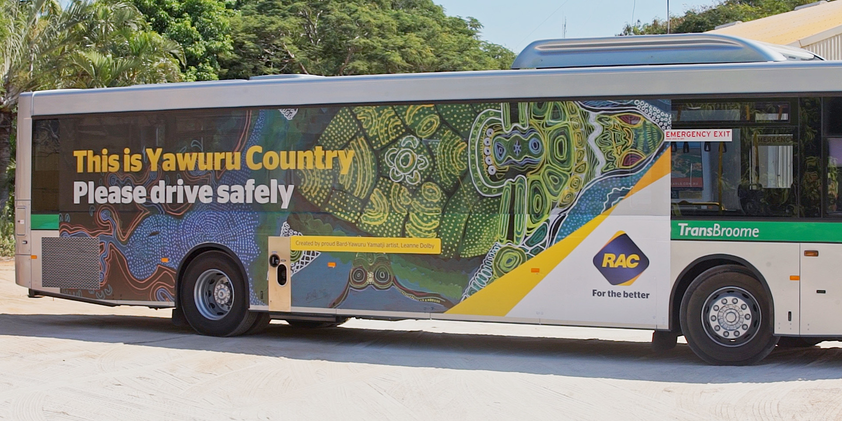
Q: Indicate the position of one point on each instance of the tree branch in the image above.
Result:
(292, 56)
(344, 65)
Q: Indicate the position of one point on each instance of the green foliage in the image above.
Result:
(332, 37)
(7, 220)
(106, 43)
(45, 46)
(117, 49)
(7, 236)
(30, 32)
(706, 18)
(200, 26)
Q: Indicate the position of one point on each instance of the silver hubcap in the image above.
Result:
(213, 294)
(731, 316)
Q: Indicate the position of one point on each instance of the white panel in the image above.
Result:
(23, 170)
(776, 262)
(23, 218)
(23, 187)
(576, 293)
(821, 290)
(280, 295)
(23, 270)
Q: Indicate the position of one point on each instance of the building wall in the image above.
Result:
(830, 48)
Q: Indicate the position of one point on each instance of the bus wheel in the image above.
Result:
(726, 317)
(312, 324)
(214, 296)
(261, 322)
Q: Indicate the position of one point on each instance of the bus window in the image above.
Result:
(834, 164)
(833, 151)
(753, 174)
(810, 165)
(45, 166)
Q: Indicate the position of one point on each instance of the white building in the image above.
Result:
(816, 27)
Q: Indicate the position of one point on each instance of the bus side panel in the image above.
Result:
(619, 274)
(420, 208)
(821, 297)
(510, 190)
(776, 262)
(23, 271)
(22, 191)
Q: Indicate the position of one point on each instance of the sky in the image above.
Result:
(514, 24)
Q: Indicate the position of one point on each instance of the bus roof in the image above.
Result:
(653, 50)
(632, 81)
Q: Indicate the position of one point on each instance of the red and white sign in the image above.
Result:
(699, 135)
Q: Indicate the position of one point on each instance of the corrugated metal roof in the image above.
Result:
(797, 28)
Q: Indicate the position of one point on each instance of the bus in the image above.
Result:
(684, 184)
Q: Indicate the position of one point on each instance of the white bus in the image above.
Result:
(684, 184)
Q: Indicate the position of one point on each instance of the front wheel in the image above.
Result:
(214, 296)
(726, 317)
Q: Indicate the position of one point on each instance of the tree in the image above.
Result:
(115, 47)
(82, 45)
(706, 18)
(333, 37)
(32, 31)
(200, 26)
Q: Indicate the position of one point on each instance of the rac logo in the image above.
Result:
(621, 261)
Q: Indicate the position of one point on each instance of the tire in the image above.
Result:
(311, 324)
(261, 322)
(726, 317)
(214, 296)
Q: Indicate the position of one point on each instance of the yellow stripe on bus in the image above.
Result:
(499, 297)
(659, 169)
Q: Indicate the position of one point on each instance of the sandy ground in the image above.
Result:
(73, 361)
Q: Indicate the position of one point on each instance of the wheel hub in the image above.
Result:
(731, 316)
(213, 294)
(222, 293)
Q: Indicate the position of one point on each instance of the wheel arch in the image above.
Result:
(701, 264)
(195, 252)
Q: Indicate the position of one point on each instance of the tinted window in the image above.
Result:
(754, 174)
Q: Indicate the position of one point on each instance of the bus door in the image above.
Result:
(821, 289)
(821, 262)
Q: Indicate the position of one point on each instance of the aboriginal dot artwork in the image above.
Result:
(497, 183)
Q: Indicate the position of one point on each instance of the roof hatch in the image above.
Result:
(652, 50)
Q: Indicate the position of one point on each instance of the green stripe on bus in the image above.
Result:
(798, 232)
(44, 222)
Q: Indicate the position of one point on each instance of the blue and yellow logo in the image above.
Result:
(621, 261)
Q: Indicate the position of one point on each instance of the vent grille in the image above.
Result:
(70, 262)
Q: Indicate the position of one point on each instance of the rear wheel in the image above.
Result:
(726, 317)
(261, 322)
(214, 296)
